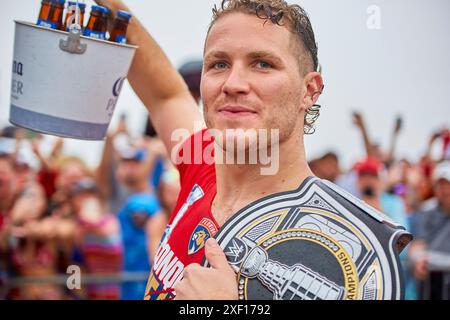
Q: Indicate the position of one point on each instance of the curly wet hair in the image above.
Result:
(280, 12)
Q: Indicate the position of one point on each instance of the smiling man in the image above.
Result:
(259, 76)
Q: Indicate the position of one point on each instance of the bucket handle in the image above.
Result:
(72, 43)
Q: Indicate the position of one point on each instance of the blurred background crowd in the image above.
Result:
(55, 211)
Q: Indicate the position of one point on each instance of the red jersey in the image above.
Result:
(191, 223)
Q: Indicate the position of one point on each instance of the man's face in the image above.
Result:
(442, 189)
(128, 172)
(79, 200)
(369, 185)
(70, 174)
(329, 168)
(251, 77)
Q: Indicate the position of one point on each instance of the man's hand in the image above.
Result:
(421, 268)
(358, 119)
(112, 5)
(435, 136)
(215, 283)
(35, 143)
(398, 125)
(419, 259)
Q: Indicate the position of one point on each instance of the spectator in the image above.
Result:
(34, 251)
(164, 177)
(70, 171)
(140, 217)
(99, 237)
(326, 167)
(432, 229)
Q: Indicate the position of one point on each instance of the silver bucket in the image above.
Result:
(65, 84)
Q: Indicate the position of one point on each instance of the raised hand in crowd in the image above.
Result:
(394, 138)
(105, 170)
(358, 121)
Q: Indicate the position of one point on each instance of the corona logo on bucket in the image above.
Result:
(61, 91)
(17, 85)
(117, 88)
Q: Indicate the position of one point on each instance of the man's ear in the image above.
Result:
(313, 84)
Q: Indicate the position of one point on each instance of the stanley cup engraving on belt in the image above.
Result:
(289, 283)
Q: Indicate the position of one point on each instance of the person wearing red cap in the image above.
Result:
(369, 183)
(370, 187)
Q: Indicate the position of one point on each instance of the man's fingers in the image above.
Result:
(421, 269)
(215, 255)
(190, 270)
(179, 290)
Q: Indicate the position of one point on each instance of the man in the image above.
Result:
(432, 233)
(326, 167)
(259, 72)
(141, 219)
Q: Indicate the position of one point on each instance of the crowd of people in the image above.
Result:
(108, 221)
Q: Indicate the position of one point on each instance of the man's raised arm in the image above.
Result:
(157, 83)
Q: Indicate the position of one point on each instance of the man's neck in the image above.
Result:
(239, 185)
(373, 202)
(140, 187)
(445, 209)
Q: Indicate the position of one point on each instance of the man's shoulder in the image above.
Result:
(142, 197)
(195, 155)
(432, 212)
(428, 205)
(145, 201)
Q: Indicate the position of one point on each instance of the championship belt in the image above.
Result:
(315, 243)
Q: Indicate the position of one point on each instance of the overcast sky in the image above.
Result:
(398, 64)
